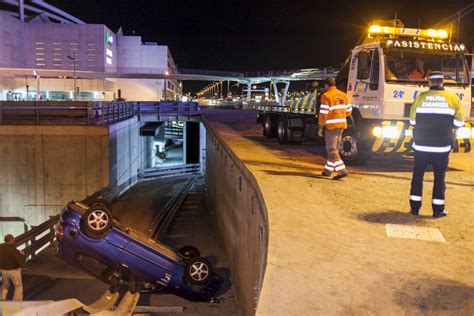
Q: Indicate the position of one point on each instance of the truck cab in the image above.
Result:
(383, 76)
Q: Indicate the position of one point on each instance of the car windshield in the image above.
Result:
(404, 65)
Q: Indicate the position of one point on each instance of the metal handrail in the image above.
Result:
(29, 239)
(169, 171)
(93, 113)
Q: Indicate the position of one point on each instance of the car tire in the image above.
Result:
(101, 203)
(189, 252)
(350, 149)
(198, 271)
(97, 221)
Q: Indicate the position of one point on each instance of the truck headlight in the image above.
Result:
(385, 131)
(463, 132)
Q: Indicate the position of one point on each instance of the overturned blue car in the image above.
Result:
(89, 236)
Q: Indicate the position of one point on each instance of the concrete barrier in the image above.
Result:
(45, 166)
(240, 213)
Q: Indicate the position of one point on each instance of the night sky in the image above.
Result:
(260, 35)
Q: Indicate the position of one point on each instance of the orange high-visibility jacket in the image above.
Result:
(334, 109)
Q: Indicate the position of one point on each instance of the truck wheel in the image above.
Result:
(96, 221)
(282, 132)
(198, 271)
(350, 150)
(270, 126)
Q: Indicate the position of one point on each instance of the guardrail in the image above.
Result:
(165, 111)
(94, 113)
(37, 238)
(88, 113)
(169, 171)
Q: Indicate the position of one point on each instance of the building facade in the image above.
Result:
(76, 51)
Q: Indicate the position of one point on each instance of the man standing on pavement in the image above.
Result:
(334, 109)
(434, 115)
(11, 261)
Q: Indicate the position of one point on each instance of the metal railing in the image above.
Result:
(165, 111)
(37, 238)
(169, 171)
(88, 113)
(94, 113)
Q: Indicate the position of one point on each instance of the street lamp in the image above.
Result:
(165, 88)
(73, 58)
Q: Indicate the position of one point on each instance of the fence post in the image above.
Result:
(102, 113)
(37, 112)
(87, 110)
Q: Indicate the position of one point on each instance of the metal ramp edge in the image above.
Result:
(105, 305)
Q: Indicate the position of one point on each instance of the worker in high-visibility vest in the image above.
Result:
(434, 115)
(333, 111)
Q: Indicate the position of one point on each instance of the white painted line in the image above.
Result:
(414, 232)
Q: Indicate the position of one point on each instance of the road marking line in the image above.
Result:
(414, 232)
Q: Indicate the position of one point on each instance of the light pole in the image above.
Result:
(73, 58)
(165, 88)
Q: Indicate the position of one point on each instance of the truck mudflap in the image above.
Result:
(396, 137)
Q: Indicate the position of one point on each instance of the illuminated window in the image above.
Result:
(56, 43)
(74, 43)
(90, 54)
(56, 48)
(109, 52)
(39, 43)
(74, 49)
(39, 48)
(108, 60)
(39, 58)
(39, 54)
(40, 64)
(57, 59)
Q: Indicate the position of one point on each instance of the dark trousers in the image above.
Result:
(439, 161)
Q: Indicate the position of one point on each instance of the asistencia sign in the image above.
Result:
(448, 47)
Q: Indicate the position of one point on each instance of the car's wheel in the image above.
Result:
(198, 271)
(350, 149)
(282, 132)
(270, 126)
(97, 220)
(101, 203)
(189, 252)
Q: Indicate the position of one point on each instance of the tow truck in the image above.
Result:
(380, 77)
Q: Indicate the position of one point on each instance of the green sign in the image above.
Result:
(109, 39)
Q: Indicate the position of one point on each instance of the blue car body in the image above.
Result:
(157, 267)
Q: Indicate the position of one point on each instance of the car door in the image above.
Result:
(146, 263)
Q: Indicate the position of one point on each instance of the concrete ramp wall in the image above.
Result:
(235, 199)
(44, 167)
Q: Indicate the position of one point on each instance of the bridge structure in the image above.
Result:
(245, 78)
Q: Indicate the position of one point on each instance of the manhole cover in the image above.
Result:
(414, 232)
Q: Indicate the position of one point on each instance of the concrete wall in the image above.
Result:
(235, 199)
(127, 153)
(44, 167)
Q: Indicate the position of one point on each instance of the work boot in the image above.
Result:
(341, 175)
(414, 212)
(326, 174)
(440, 214)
